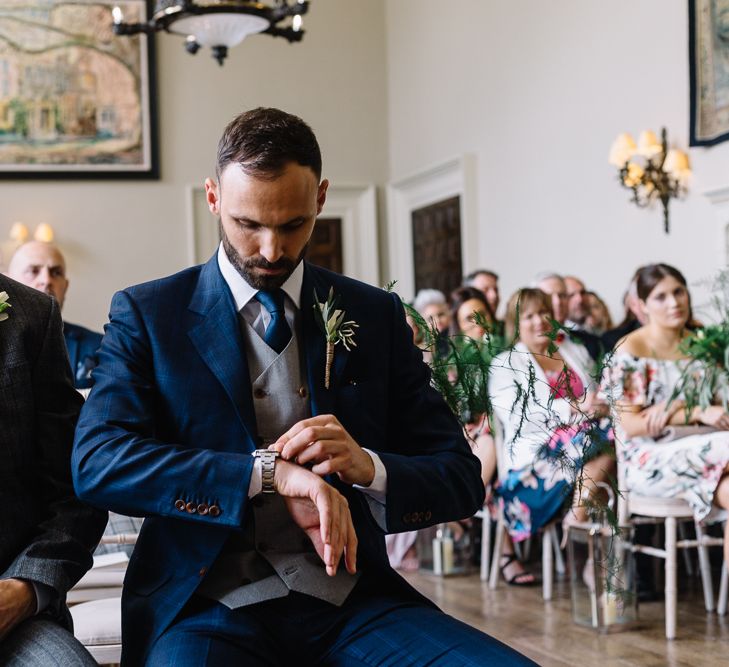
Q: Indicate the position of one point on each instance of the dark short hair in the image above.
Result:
(468, 280)
(264, 140)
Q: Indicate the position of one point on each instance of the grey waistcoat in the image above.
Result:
(273, 555)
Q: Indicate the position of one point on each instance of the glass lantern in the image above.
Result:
(602, 577)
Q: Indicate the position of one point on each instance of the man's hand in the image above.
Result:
(17, 602)
(321, 511)
(323, 441)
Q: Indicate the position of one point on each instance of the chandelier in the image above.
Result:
(219, 24)
(651, 170)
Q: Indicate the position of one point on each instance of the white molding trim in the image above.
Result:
(455, 177)
(356, 205)
(719, 198)
(202, 228)
(717, 195)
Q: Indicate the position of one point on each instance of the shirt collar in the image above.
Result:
(242, 292)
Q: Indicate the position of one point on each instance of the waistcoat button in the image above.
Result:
(259, 393)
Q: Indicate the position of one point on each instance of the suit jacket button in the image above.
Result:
(406, 518)
(214, 511)
(180, 505)
(191, 508)
(428, 514)
(203, 572)
(259, 393)
(303, 392)
(202, 509)
(420, 517)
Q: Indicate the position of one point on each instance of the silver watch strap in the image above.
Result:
(267, 458)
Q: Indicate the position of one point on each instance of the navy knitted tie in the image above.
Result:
(278, 332)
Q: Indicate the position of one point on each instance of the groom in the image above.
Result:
(268, 467)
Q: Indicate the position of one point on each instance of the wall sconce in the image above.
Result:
(650, 170)
(18, 235)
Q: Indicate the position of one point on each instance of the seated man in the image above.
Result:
(46, 534)
(42, 266)
(269, 440)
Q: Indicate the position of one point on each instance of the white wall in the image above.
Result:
(119, 233)
(537, 91)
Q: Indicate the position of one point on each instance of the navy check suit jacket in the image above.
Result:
(169, 427)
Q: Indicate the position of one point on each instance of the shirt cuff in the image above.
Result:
(256, 484)
(377, 490)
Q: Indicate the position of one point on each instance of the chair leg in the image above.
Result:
(485, 545)
(558, 558)
(496, 553)
(723, 590)
(705, 567)
(670, 590)
(547, 567)
(688, 563)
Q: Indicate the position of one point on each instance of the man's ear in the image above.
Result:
(321, 195)
(212, 196)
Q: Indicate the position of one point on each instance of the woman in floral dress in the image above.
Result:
(639, 382)
(543, 395)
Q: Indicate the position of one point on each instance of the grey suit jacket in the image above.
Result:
(46, 533)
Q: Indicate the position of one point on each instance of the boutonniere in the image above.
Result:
(4, 305)
(336, 330)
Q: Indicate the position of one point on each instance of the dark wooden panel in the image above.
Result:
(325, 246)
(437, 246)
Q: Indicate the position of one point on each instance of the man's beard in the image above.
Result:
(247, 265)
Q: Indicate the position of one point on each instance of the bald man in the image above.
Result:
(43, 267)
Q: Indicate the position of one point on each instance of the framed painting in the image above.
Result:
(76, 101)
(708, 71)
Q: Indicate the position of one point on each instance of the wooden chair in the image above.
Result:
(634, 509)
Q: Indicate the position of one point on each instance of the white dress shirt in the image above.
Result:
(259, 318)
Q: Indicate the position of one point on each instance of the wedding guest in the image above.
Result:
(553, 440)
(488, 282)
(42, 266)
(469, 312)
(432, 306)
(46, 533)
(640, 383)
(553, 285)
(577, 302)
(598, 319)
(634, 317)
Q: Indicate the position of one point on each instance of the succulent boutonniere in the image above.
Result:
(4, 305)
(331, 321)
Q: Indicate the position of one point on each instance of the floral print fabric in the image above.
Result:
(688, 468)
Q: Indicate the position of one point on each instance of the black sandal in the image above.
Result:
(514, 581)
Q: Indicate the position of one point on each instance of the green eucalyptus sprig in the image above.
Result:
(4, 305)
(330, 320)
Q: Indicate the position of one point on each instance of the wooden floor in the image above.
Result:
(546, 633)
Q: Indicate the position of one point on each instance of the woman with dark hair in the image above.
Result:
(543, 395)
(640, 382)
(469, 310)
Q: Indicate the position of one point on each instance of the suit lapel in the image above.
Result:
(218, 341)
(315, 345)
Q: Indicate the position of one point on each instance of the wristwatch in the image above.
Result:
(267, 457)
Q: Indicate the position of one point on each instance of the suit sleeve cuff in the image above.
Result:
(256, 483)
(377, 490)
